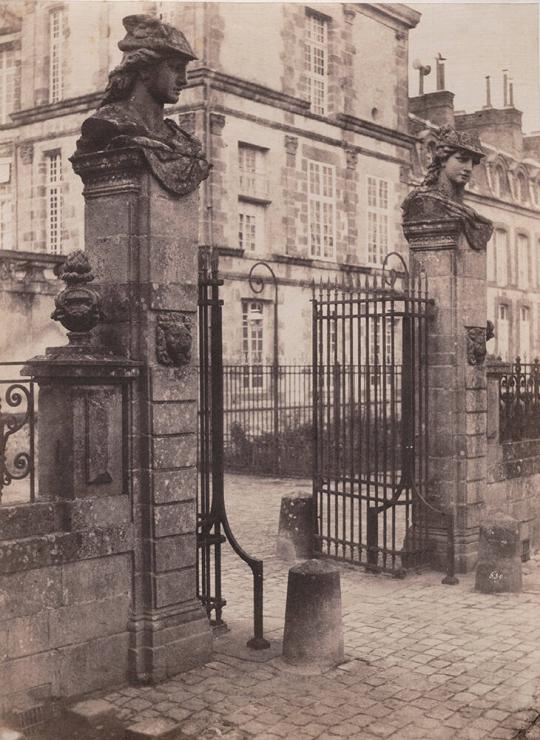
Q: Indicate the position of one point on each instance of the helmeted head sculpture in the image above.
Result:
(454, 156)
(440, 195)
(154, 52)
(152, 74)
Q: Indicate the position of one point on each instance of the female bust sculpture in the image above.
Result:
(151, 74)
(440, 196)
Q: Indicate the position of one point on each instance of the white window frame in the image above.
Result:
(523, 259)
(316, 61)
(502, 256)
(56, 54)
(503, 330)
(524, 333)
(379, 208)
(54, 202)
(252, 175)
(321, 192)
(8, 80)
(253, 343)
(251, 227)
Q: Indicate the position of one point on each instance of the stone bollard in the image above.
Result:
(295, 531)
(313, 634)
(499, 560)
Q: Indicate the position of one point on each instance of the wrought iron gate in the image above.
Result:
(213, 528)
(370, 420)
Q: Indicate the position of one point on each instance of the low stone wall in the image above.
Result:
(513, 471)
(513, 485)
(65, 596)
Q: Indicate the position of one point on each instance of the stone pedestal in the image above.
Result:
(83, 442)
(499, 556)
(457, 379)
(313, 634)
(142, 243)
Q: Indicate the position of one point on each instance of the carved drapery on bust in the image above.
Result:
(151, 74)
(441, 194)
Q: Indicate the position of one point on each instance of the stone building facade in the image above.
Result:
(303, 111)
(506, 189)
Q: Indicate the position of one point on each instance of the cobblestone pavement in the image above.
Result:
(423, 660)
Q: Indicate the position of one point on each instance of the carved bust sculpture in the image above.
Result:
(151, 74)
(440, 195)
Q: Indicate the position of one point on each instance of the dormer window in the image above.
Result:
(499, 181)
(522, 188)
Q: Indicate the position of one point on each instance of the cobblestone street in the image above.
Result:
(423, 660)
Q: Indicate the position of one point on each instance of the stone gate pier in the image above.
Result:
(98, 576)
(448, 241)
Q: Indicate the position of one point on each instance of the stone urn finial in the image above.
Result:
(78, 307)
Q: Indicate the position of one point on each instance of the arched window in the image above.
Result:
(535, 192)
(522, 188)
(501, 256)
(499, 181)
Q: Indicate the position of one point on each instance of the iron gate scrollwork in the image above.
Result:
(213, 528)
(370, 403)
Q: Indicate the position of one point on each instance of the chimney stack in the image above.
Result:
(440, 71)
(511, 95)
(488, 92)
(505, 88)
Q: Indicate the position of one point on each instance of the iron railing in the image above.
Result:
(370, 450)
(268, 411)
(17, 435)
(519, 402)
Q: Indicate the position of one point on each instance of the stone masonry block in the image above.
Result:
(84, 622)
(27, 519)
(174, 587)
(178, 451)
(30, 592)
(91, 711)
(98, 511)
(91, 665)
(174, 384)
(96, 579)
(26, 673)
(174, 297)
(172, 553)
(174, 418)
(27, 635)
(171, 519)
(174, 485)
(157, 728)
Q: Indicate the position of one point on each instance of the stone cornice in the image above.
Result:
(246, 89)
(435, 234)
(109, 171)
(80, 104)
(398, 14)
(367, 128)
(267, 96)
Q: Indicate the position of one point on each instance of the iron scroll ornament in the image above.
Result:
(16, 395)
